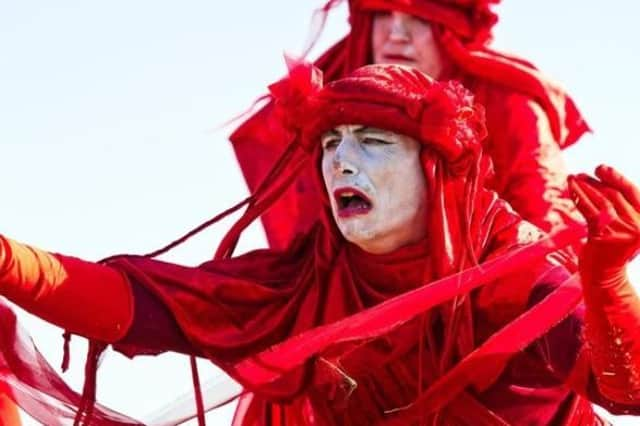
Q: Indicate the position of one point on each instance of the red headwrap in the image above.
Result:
(391, 97)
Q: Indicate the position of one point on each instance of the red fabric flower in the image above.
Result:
(452, 121)
(291, 94)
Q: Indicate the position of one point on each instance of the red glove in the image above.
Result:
(611, 206)
(84, 298)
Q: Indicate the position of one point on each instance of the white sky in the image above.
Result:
(108, 116)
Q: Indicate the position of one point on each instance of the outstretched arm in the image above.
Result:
(611, 206)
(85, 298)
(226, 310)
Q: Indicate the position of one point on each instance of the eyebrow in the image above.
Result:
(368, 129)
(328, 133)
(359, 129)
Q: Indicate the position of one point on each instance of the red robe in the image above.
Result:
(356, 383)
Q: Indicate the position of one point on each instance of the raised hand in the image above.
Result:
(611, 205)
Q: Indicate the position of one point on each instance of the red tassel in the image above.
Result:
(66, 354)
(88, 398)
(197, 390)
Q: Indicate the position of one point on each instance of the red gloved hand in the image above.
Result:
(611, 206)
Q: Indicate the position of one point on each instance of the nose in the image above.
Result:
(399, 32)
(345, 159)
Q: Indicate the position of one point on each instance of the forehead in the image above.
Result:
(358, 129)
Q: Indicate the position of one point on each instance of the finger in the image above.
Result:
(614, 178)
(587, 178)
(597, 197)
(582, 200)
(598, 212)
(622, 207)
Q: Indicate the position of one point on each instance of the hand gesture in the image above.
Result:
(611, 205)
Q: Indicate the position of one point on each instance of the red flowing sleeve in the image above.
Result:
(226, 310)
(228, 315)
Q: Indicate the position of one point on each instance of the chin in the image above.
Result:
(360, 237)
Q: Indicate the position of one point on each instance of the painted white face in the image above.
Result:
(400, 38)
(376, 185)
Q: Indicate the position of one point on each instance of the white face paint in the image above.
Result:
(400, 38)
(376, 185)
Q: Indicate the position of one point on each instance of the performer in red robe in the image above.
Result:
(417, 297)
(529, 118)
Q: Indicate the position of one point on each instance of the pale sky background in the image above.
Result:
(109, 110)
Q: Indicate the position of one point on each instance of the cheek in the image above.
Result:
(426, 46)
(430, 59)
(381, 165)
(415, 194)
(379, 33)
(326, 168)
(404, 191)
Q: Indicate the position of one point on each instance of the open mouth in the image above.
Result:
(351, 202)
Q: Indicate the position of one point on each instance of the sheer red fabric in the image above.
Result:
(35, 385)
